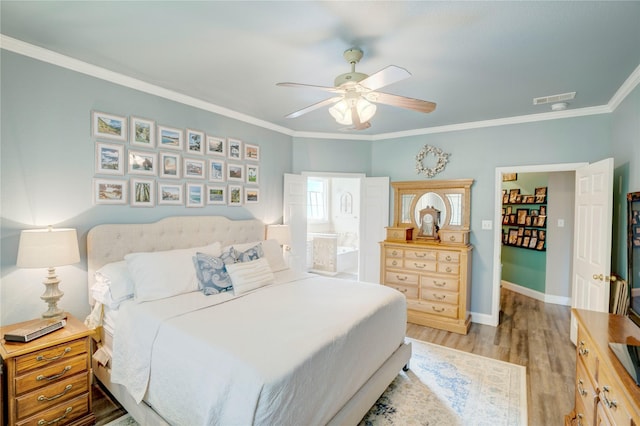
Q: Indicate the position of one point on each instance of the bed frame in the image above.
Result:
(111, 242)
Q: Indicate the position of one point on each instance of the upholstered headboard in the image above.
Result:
(111, 242)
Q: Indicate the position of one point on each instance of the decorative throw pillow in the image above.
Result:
(212, 273)
(250, 254)
(247, 276)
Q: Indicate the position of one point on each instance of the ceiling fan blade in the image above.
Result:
(400, 101)
(311, 86)
(314, 107)
(384, 77)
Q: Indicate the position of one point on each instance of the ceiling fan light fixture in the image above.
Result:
(341, 111)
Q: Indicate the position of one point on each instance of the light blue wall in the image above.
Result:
(331, 155)
(47, 167)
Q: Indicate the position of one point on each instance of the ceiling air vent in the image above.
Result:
(554, 98)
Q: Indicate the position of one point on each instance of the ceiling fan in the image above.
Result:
(357, 93)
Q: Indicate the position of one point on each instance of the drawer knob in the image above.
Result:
(394, 263)
(421, 254)
(419, 265)
(395, 253)
(51, 398)
(437, 284)
(439, 297)
(448, 269)
(401, 278)
(55, 376)
(43, 422)
(582, 350)
(609, 403)
(448, 258)
(64, 352)
(580, 388)
(437, 310)
(452, 238)
(579, 418)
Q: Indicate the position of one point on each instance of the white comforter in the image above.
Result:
(285, 354)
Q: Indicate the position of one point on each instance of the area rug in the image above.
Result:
(446, 387)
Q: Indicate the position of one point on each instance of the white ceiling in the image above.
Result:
(477, 60)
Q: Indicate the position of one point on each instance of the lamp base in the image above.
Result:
(51, 295)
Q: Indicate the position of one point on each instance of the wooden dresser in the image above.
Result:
(435, 280)
(605, 393)
(48, 380)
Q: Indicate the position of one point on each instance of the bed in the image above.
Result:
(300, 349)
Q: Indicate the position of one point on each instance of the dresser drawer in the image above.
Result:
(61, 414)
(410, 292)
(454, 237)
(585, 350)
(440, 283)
(449, 268)
(420, 255)
(49, 396)
(401, 278)
(420, 265)
(55, 353)
(54, 372)
(399, 234)
(440, 309)
(449, 257)
(612, 399)
(393, 252)
(585, 395)
(439, 296)
(394, 262)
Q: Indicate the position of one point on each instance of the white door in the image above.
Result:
(374, 217)
(295, 215)
(592, 239)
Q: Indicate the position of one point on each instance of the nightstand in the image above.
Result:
(48, 380)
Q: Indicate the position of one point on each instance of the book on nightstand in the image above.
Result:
(41, 328)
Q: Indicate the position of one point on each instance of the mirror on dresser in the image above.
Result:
(633, 254)
(426, 254)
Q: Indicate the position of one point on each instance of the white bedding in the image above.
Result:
(288, 353)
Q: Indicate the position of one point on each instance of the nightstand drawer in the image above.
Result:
(61, 414)
(49, 396)
(55, 353)
(51, 374)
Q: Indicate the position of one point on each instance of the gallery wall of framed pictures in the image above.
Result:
(524, 219)
(141, 163)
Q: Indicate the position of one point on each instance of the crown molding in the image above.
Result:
(45, 55)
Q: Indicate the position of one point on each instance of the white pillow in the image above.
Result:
(116, 276)
(168, 273)
(272, 251)
(101, 293)
(247, 276)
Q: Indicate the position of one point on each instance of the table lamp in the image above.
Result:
(281, 234)
(48, 248)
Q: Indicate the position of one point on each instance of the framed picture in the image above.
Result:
(505, 219)
(534, 212)
(542, 235)
(142, 162)
(529, 199)
(195, 195)
(509, 210)
(169, 137)
(534, 232)
(513, 195)
(217, 171)
(525, 241)
(170, 194)
(527, 232)
(540, 221)
(505, 197)
(142, 193)
(532, 243)
(195, 142)
(193, 168)
(234, 149)
(253, 175)
(143, 132)
(507, 177)
(528, 220)
(512, 219)
(541, 191)
(109, 159)
(109, 126)
(252, 195)
(235, 172)
(216, 146)
(540, 245)
(216, 194)
(541, 199)
(513, 236)
(235, 195)
(251, 152)
(170, 165)
(519, 241)
(522, 216)
(543, 210)
(521, 231)
(109, 191)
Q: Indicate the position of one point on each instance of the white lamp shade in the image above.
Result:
(280, 233)
(341, 111)
(45, 248)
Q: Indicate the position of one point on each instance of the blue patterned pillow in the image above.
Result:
(250, 254)
(212, 273)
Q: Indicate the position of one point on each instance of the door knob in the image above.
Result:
(598, 277)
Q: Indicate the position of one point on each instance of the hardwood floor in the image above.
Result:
(531, 333)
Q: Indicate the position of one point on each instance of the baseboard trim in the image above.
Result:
(543, 297)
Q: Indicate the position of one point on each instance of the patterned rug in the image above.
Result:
(446, 387)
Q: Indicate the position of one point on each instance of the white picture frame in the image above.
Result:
(110, 191)
(143, 132)
(110, 159)
(108, 126)
(170, 194)
(142, 162)
(170, 165)
(216, 146)
(234, 195)
(142, 192)
(217, 170)
(235, 172)
(251, 152)
(170, 138)
(195, 195)
(195, 142)
(193, 168)
(251, 195)
(252, 174)
(234, 149)
(217, 194)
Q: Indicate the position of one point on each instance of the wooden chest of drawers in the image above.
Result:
(605, 394)
(48, 380)
(435, 280)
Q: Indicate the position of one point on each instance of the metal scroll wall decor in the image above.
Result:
(442, 158)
